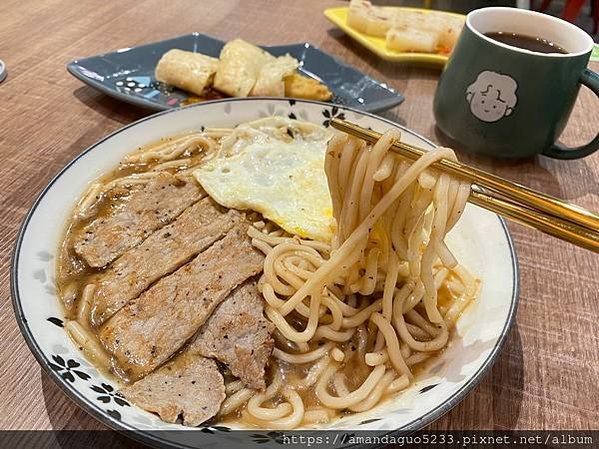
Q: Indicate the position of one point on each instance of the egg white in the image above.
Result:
(276, 168)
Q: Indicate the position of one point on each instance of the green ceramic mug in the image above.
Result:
(505, 101)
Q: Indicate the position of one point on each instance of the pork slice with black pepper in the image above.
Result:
(151, 328)
(155, 205)
(238, 335)
(190, 386)
(167, 249)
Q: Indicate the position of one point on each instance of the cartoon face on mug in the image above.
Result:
(492, 96)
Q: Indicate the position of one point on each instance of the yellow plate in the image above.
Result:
(377, 44)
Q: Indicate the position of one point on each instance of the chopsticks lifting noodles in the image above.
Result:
(519, 203)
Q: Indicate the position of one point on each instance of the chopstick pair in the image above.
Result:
(519, 203)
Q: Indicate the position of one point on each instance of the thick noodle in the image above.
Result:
(367, 306)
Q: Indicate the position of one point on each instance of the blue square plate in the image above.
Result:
(128, 74)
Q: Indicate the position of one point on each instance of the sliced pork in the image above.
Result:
(151, 328)
(190, 385)
(158, 203)
(160, 254)
(238, 335)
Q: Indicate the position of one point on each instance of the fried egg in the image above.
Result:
(274, 166)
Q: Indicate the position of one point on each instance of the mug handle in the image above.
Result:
(591, 80)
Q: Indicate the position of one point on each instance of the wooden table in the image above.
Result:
(545, 378)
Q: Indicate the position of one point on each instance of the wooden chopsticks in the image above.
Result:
(522, 204)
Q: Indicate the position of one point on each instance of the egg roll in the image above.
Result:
(270, 82)
(239, 67)
(186, 70)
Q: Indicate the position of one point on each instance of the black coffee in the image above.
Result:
(537, 44)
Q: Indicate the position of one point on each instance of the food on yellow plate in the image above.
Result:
(445, 28)
(271, 79)
(369, 19)
(279, 175)
(187, 70)
(241, 70)
(298, 86)
(239, 66)
(411, 39)
(452, 30)
(275, 275)
(405, 30)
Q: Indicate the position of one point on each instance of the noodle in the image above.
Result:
(337, 354)
(172, 149)
(305, 357)
(376, 393)
(233, 387)
(87, 342)
(174, 153)
(313, 375)
(364, 309)
(347, 400)
(236, 400)
(86, 304)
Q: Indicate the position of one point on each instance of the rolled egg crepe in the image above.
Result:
(270, 82)
(239, 67)
(187, 70)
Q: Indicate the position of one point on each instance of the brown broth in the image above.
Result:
(354, 370)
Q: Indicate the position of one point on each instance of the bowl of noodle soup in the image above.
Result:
(425, 352)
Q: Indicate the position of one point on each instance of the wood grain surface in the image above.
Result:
(546, 376)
